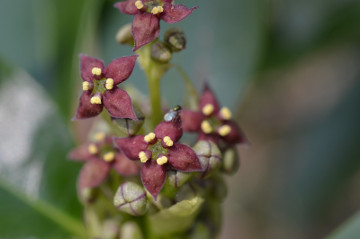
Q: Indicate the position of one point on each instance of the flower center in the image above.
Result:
(154, 7)
(157, 149)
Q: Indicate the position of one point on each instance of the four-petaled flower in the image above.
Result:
(99, 158)
(100, 87)
(159, 152)
(146, 23)
(212, 122)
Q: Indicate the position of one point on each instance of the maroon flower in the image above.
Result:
(159, 152)
(100, 87)
(212, 122)
(99, 158)
(147, 15)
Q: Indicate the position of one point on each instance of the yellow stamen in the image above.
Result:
(108, 157)
(157, 10)
(224, 130)
(206, 127)
(225, 113)
(99, 136)
(168, 141)
(85, 85)
(95, 100)
(208, 109)
(139, 4)
(162, 160)
(109, 83)
(93, 149)
(149, 137)
(142, 157)
(96, 71)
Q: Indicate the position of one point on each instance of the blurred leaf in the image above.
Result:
(177, 218)
(349, 230)
(37, 183)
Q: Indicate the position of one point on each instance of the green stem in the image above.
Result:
(67, 222)
(192, 98)
(154, 72)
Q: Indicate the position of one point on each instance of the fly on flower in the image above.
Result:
(159, 152)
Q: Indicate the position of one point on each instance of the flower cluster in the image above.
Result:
(138, 144)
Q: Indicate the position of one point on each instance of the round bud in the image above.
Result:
(124, 35)
(231, 162)
(176, 178)
(130, 127)
(160, 52)
(209, 156)
(175, 39)
(131, 198)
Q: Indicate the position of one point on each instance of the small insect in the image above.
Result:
(172, 113)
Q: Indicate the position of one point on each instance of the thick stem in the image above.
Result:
(155, 97)
(154, 72)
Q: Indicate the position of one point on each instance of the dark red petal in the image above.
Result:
(87, 63)
(236, 136)
(86, 109)
(120, 69)
(93, 173)
(124, 166)
(127, 7)
(191, 120)
(131, 147)
(175, 13)
(145, 29)
(80, 153)
(209, 137)
(183, 158)
(208, 97)
(153, 177)
(173, 129)
(119, 104)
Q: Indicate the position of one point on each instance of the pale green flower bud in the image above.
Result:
(209, 156)
(231, 162)
(175, 39)
(124, 35)
(131, 198)
(160, 52)
(176, 178)
(130, 127)
(185, 193)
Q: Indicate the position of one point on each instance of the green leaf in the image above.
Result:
(349, 230)
(177, 218)
(37, 182)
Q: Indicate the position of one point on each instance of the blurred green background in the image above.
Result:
(290, 69)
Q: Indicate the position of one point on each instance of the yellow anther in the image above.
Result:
(108, 157)
(149, 137)
(139, 4)
(95, 100)
(208, 109)
(109, 83)
(157, 10)
(224, 130)
(142, 157)
(96, 71)
(206, 127)
(168, 141)
(162, 160)
(93, 149)
(99, 136)
(85, 85)
(225, 113)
